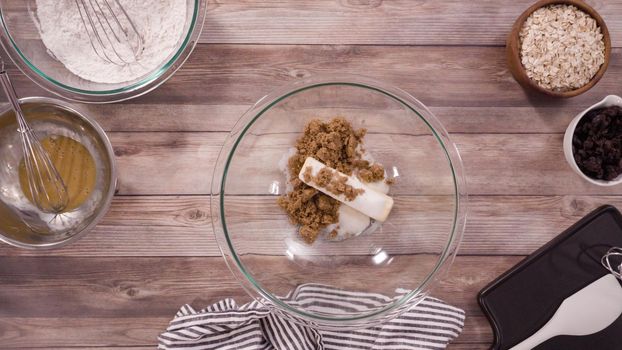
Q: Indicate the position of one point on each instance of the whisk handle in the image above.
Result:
(12, 96)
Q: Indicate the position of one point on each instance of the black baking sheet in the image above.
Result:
(524, 298)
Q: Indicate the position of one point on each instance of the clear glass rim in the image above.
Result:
(107, 196)
(265, 104)
(136, 89)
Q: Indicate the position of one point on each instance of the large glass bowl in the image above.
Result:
(402, 260)
(21, 40)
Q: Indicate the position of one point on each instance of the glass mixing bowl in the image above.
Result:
(21, 40)
(401, 260)
(22, 224)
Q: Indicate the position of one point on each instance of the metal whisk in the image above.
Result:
(113, 35)
(47, 188)
(612, 261)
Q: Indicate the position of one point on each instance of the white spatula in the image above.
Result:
(588, 311)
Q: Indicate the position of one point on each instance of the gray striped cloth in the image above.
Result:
(432, 324)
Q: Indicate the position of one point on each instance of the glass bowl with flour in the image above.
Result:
(48, 41)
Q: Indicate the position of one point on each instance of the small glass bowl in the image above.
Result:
(21, 40)
(402, 260)
(22, 224)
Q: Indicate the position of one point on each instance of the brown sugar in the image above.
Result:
(338, 145)
(310, 209)
(372, 173)
(334, 233)
(333, 182)
(333, 143)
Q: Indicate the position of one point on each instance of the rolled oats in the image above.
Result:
(561, 47)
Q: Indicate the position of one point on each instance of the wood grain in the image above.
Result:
(436, 75)
(140, 333)
(181, 226)
(54, 301)
(375, 22)
(496, 164)
(388, 22)
(120, 285)
(222, 118)
(165, 163)
(80, 333)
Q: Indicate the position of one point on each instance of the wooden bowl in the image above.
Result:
(513, 49)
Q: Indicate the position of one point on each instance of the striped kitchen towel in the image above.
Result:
(431, 324)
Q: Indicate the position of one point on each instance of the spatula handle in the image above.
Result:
(536, 339)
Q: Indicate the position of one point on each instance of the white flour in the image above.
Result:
(159, 22)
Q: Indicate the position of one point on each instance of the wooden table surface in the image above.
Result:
(120, 285)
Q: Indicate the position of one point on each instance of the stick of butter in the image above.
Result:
(372, 203)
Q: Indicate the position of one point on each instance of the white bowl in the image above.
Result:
(611, 100)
